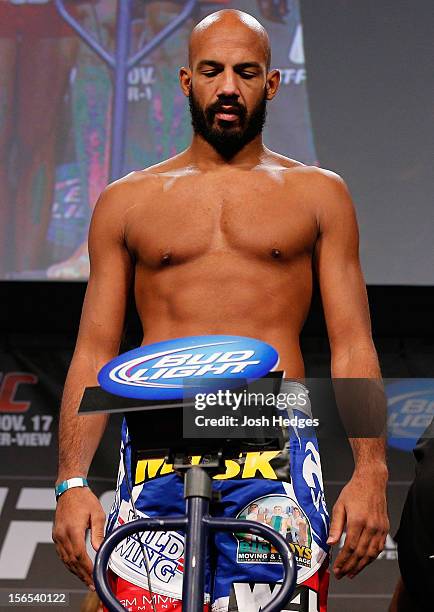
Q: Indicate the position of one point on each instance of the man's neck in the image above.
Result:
(202, 155)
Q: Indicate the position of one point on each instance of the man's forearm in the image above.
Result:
(365, 401)
(369, 456)
(79, 436)
(361, 508)
(358, 361)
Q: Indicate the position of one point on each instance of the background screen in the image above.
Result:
(59, 99)
(367, 93)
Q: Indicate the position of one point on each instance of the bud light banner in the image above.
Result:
(158, 371)
(411, 410)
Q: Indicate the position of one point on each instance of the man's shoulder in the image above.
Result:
(308, 175)
(316, 176)
(325, 193)
(321, 190)
(125, 191)
(147, 178)
(129, 183)
(312, 175)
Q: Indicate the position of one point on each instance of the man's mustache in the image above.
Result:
(234, 108)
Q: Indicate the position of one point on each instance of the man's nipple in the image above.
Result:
(166, 259)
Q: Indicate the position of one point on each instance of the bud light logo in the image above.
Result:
(411, 410)
(160, 371)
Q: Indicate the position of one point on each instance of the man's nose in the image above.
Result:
(228, 85)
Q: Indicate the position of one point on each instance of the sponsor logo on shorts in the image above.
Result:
(283, 514)
(165, 551)
(250, 465)
(249, 597)
(145, 603)
(160, 371)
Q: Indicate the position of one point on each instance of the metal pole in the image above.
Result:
(84, 35)
(120, 63)
(197, 491)
(119, 118)
(196, 538)
(289, 568)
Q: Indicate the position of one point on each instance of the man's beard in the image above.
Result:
(227, 140)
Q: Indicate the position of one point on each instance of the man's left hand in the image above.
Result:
(361, 509)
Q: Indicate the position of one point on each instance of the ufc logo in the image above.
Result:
(8, 388)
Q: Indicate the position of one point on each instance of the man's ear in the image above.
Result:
(272, 84)
(185, 80)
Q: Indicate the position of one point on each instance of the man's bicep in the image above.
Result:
(109, 280)
(341, 281)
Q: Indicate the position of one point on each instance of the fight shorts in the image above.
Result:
(283, 489)
(33, 19)
(415, 535)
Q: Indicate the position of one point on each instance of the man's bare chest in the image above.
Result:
(194, 218)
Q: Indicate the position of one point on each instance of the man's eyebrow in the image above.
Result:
(206, 62)
(243, 65)
(240, 66)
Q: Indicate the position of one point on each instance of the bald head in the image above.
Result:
(228, 81)
(225, 24)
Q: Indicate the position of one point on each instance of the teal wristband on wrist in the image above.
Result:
(71, 483)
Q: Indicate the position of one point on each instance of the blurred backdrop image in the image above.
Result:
(89, 92)
(56, 101)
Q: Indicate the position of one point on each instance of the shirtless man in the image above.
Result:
(222, 239)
